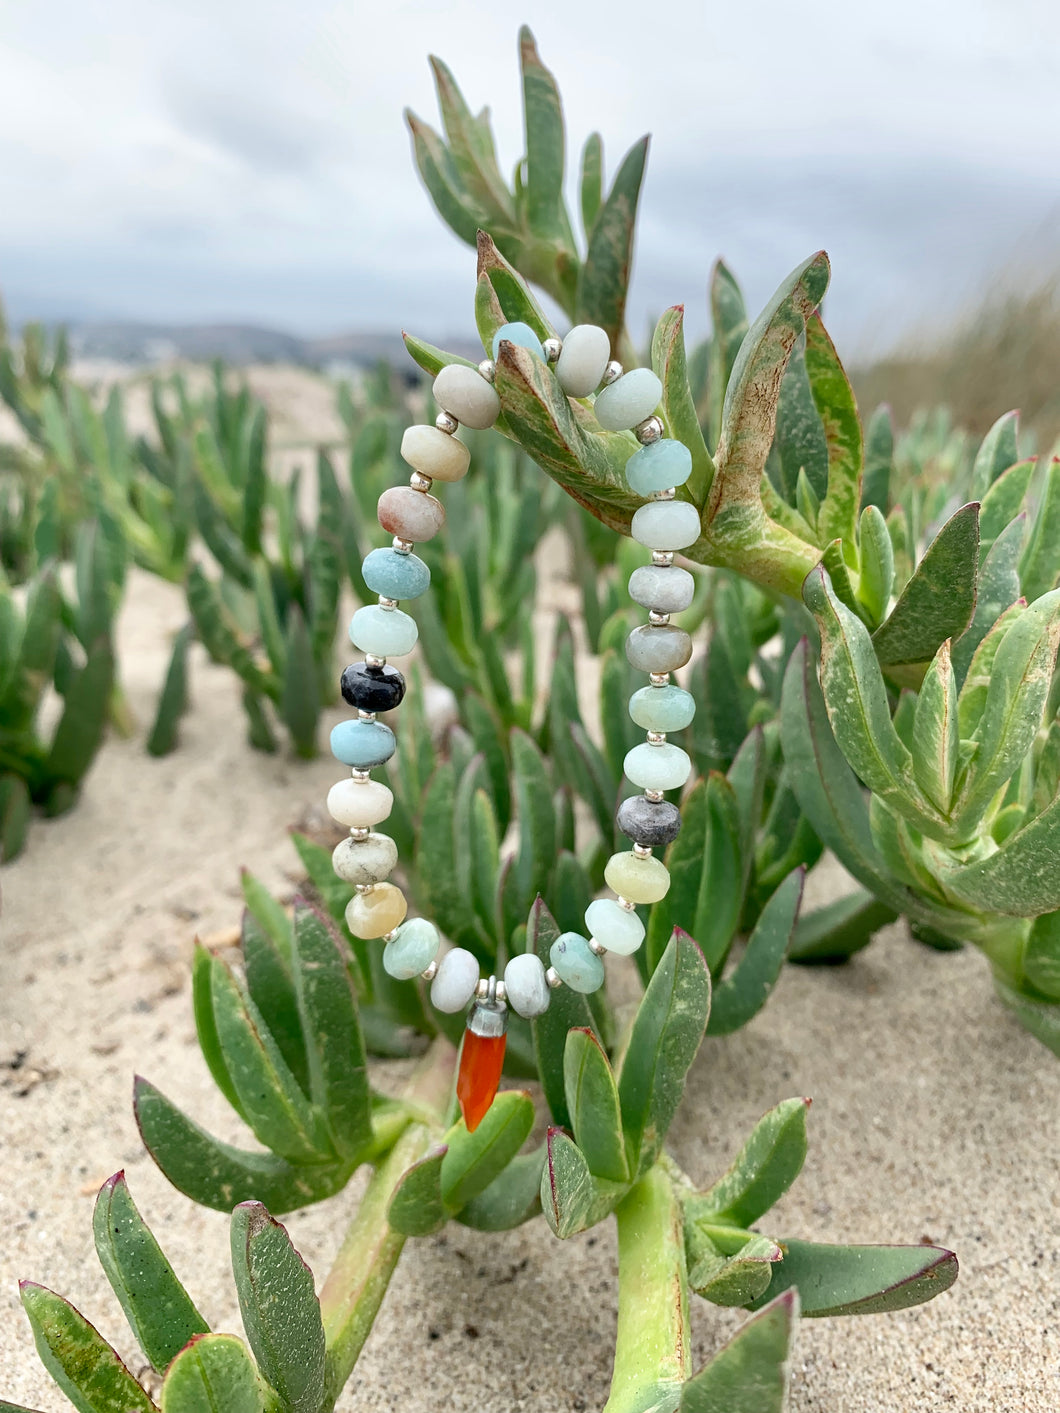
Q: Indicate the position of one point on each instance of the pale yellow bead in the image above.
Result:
(376, 913)
(435, 453)
(358, 804)
(639, 880)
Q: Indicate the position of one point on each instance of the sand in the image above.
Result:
(935, 1116)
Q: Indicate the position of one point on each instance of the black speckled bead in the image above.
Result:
(649, 822)
(372, 688)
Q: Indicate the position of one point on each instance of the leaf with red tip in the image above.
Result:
(213, 1374)
(571, 1198)
(78, 1358)
(861, 1280)
(749, 1374)
(765, 1168)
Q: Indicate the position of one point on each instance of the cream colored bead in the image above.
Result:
(435, 453)
(358, 804)
(639, 880)
(376, 913)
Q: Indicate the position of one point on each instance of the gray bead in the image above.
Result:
(666, 590)
(365, 860)
(661, 649)
(647, 822)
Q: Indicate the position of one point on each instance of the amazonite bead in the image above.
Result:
(667, 589)
(362, 744)
(412, 950)
(617, 928)
(365, 860)
(658, 649)
(666, 525)
(435, 453)
(628, 400)
(662, 708)
(465, 395)
(576, 962)
(383, 632)
(662, 767)
(585, 354)
(522, 335)
(395, 575)
(658, 466)
(358, 804)
(455, 981)
(410, 514)
(374, 914)
(526, 986)
(639, 880)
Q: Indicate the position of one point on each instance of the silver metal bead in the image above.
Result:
(419, 482)
(359, 832)
(446, 422)
(488, 369)
(612, 373)
(597, 947)
(657, 619)
(482, 990)
(365, 715)
(386, 603)
(670, 493)
(659, 679)
(625, 903)
(430, 972)
(360, 775)
(553, 978)
(552, 348)
(500, 994)
(642, 851)
(648, 431)
(656, 738)
(389, 936)
(662, 558)
(654, 795)
(402, 546)
(370, 660)
(363, 888)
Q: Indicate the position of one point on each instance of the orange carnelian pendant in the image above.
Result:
(481, 1060)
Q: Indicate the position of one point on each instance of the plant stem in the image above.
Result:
(652, 1357)
(358, 1281)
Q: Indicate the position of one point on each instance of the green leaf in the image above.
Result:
(79, 733)
(1023, 878)
(571, 1198)
(666, 1035)
(1040, 1018)
(729, 318)
(999, 450)
(470, 146)
(532, 797)
(998, 587)
(1040, 566)
(543, 114)
(879, 460)
(939, 599)
(173, 700)
(876, 579)
(603, 281)
(15, 808)
(77, 1357)
(513, 1197)
(270, 981)
(416, 1208)
(671, 368)
(734, 1280)
(936, 740)
(750, 1373)
(834, 932)
(474, 1160)
(1002, 502)
(1041, 958)
(744, 992)
(440, 177)
(567, 1009)
(592, 1101)
(431, 359)
(800, 440)
(834, 399)
(861, 1280)
(279, 1306)
(765, 1168)
(300, 697)
(214, 1374)
(220, 635)
(591, 187)
(156, 1305)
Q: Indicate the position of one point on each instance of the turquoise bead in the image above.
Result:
(577, 964)
(395, 575)
(384, 632)
(628, 400)
(412, 950)
(614, 926)
(662, 708)
(658, 466)
(522, 335)
(362, 745)
(666, 525)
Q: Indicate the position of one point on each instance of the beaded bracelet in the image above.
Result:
(626, 402)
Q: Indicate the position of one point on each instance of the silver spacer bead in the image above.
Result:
(657, 619)
(359, 832)
(641, 851)
(648, 431)
(654, 795)
(360, 775)
(625, 903)
(656, 738)
(662, 558)
(365, 715)
(389, 936)
(446, 422)
(370, 660)
(500, 994)
(419, 482)
(670, 493)
(386, 603)
(488, 369)
(363, 888)
(659, 679)
(552, 348)
(482, 990)
(597, 947)
(402, 546)
(553, 978)
(430, 972)
(612, 373)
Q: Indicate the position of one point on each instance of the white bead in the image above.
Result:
(455, 982)
(435, 453)
(358, 804)
(465, 393)
(586, 351)
(628, 400)
(616, 927)
(527, 985)
(666, 525)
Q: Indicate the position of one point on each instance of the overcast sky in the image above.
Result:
(209, 160)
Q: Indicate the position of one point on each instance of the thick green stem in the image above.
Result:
(358, 1281)
(652, 1357)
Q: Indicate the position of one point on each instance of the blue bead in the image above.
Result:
(384, 632)
(395, 575)
(522, 335)
(666, 708)
(658, 466)
(576, 962)
(362, 745)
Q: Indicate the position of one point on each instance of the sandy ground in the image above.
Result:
(935, 1117)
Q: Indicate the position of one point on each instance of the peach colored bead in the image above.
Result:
(411, 514)
(376, 913)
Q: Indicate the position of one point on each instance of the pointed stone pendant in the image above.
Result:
(481, 1060)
